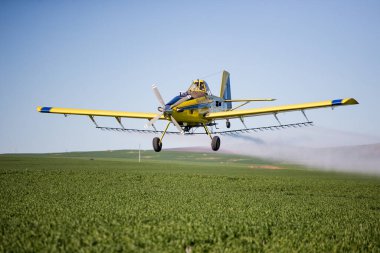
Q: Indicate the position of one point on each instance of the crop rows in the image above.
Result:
(81, 204)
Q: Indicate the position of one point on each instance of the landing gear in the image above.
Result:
(215, 140)
(228, 124)
(157, 144)
(215, 143)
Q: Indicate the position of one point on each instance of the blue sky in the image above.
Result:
(107, 54)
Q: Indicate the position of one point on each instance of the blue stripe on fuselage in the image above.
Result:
(174, 100)
(198, 106)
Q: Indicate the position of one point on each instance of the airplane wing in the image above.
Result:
(279, 109)
(104, 113)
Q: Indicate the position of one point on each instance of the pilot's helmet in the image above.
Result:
(201, 86)
(198, 86)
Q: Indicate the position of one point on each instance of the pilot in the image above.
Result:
(197, 90)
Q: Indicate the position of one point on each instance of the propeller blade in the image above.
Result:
(152, 121)
(158, 95)
(177, 125)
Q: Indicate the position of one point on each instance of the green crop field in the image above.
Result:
(182, 202)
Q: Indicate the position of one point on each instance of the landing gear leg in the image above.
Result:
(215, 141)
(157, 142)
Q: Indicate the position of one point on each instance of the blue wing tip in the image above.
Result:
(45, 109)
(337, 102)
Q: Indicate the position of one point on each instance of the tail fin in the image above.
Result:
(225, 88)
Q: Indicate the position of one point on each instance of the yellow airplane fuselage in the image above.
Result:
(192, 112)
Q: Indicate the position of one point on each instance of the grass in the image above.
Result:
(173, 201)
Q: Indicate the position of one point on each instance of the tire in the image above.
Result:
(215, 143)
(157, 144)
(228, 124)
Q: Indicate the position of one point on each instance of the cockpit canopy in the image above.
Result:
(199, 85)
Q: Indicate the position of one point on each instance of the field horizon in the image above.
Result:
(354, 159)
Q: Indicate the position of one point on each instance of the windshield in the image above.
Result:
(199, 85)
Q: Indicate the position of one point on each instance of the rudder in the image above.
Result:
(225, 88)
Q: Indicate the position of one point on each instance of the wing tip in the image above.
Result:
(350, 101)
(345, 101)
(44, 109)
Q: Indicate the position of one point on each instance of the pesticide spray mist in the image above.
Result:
(314, 147)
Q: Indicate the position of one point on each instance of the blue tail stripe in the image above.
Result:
(227, 93)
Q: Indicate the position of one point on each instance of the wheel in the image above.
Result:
(215, 143)
(157, 144)
(228, 124)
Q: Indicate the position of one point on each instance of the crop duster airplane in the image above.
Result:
(199, 108)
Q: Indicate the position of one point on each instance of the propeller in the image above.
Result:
(158, 95)
(162, 103)
(176, 124)
(152, 121)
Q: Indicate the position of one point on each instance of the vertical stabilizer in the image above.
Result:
(225, 88)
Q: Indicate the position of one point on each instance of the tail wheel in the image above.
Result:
(215, 143)
(157, 144)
